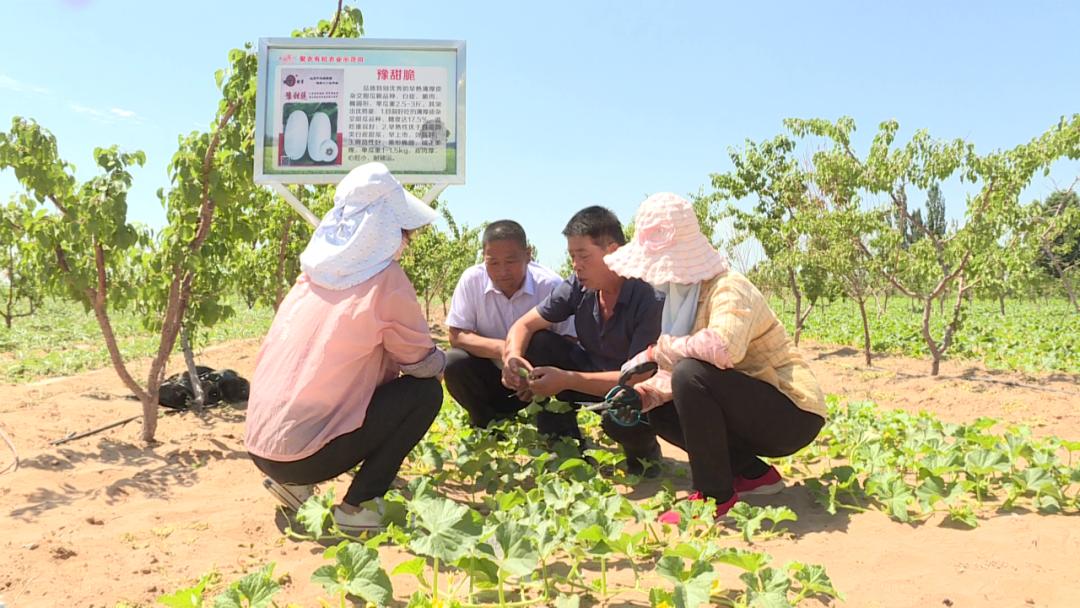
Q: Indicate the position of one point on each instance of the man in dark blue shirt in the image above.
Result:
(615, 319)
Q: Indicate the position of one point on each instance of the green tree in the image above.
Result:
(845, 226)
(435, 259)
(971, 256)
(183, 274)
(1056, 222)
(916, 219)
(88, 234)
(267, 266)
(782, 219)
(935, 211)
(21, 272)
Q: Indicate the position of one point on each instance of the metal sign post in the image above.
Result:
(294, 202)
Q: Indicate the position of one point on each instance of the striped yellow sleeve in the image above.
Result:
(732, 310)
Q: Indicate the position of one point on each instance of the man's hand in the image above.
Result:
(515, 373)
(547, 381)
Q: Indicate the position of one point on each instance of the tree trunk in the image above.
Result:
(1069, 290)
(794, 285)
(798, 317)
(1001, 303)
(148, 398)
(1061, 272)
(954, 323)
(801, 322)
(180, 286)
(866, 331)
(97, 298)
(938, 350)
(174, 308)
(11, 290)
(279, 274)
(193, 374)
(928, 308)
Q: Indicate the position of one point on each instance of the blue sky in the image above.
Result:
(570, 103)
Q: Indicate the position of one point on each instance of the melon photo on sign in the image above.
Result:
(296, 134)
(310, 135)
(318, 132)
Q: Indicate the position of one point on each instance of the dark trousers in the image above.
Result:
(550, 349)
(724, 420)
(400, 413)
(476, 384)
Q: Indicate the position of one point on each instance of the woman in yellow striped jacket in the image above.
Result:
(731, 387)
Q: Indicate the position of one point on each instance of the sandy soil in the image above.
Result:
(104, 520)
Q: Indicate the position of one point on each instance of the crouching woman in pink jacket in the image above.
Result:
(348, 372)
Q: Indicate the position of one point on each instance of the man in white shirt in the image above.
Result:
(488, 298)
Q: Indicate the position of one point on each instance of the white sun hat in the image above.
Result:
(358, 238)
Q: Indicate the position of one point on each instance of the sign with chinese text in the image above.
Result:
(326, 106)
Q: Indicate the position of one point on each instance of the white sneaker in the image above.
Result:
(291, 495)
(364, 520)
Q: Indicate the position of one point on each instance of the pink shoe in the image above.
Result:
(673, 517)
(768, 484)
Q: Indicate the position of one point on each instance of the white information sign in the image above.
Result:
(326, 106)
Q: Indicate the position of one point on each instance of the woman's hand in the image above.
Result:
(645, 356)
(650, 399)
(547, 381)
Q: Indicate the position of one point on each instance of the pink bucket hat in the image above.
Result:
(668, 246)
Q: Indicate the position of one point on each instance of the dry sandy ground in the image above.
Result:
(105, 520)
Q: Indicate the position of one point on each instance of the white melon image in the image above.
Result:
(296, 135)
(329, 150)
(318, 132)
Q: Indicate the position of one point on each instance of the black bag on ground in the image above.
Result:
(218, 385)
